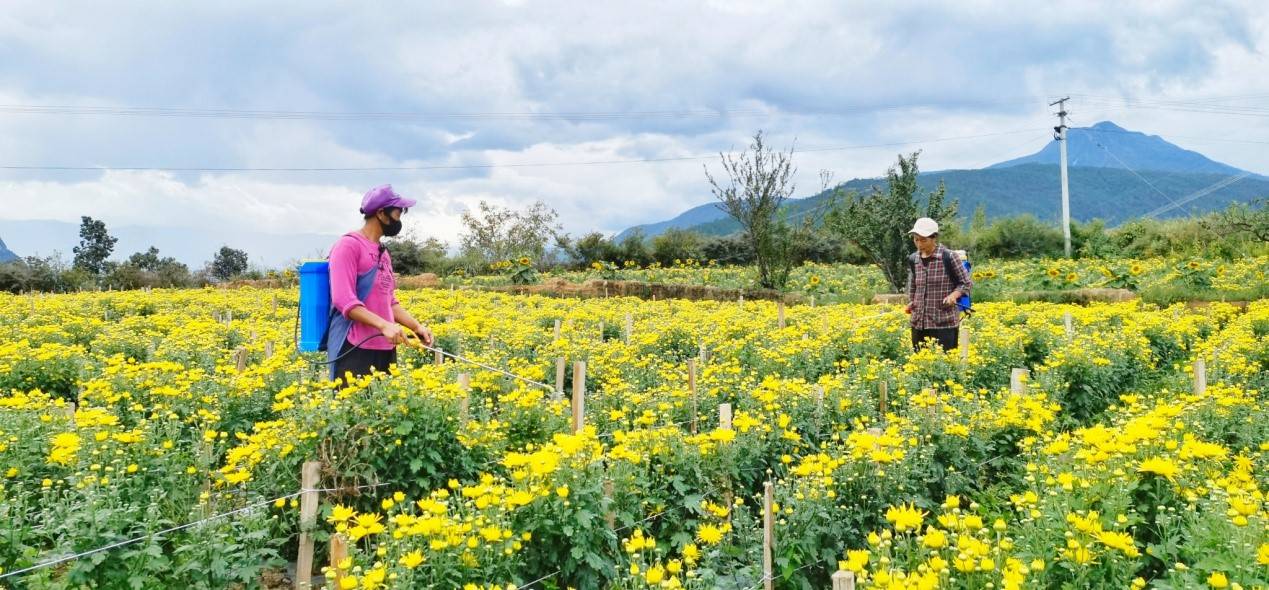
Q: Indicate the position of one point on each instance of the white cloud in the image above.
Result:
(818, 71)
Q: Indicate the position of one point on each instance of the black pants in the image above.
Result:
(946, 337)
(360, 361)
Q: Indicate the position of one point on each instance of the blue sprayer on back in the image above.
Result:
(314, 304)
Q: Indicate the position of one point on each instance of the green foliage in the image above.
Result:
(676, 245)
(1018, 237)
(412, 257)
(878, 223)
(228, 263)
(95, 246)
(759, 181)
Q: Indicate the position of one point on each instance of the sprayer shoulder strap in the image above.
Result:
(949, 267)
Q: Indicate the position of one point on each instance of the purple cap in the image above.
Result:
(382, 197)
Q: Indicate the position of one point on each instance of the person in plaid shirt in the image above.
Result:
(936, 280)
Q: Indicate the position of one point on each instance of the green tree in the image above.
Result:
(412, 257)
(496, 233)
(878, 223)
(758, 182)
(592, 247)
(634, 249)
(95, 246)
(676, 244)
(228, 263)
(1250, 220)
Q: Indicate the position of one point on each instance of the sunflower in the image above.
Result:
(524, 261)
(1053, 273)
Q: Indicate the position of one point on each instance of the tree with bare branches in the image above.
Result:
(758, 182)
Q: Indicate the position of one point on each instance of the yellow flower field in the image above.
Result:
(1103, 466)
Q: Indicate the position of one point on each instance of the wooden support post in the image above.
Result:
(1018, 380)
(557, 330)
(780, 314)
(438, 357)
(1200, 376)
(629, 328)
(812, 301)
(253, 336)
(338, 553)
(691, 390)
(559, 377)
(1069, 324)
(703, 353)
(768, 535)
(275, 305)
(310, 475)
(883, 395)
(240, 359)
(844, 580)
(268, 349)
(819, 405)
(724, 416)
(579, 395)
(962, 342)
(610, 517)
(464, 405)
(601, 330)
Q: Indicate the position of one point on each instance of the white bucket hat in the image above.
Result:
(925, 227)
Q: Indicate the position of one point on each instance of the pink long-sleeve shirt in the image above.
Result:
(354, 255)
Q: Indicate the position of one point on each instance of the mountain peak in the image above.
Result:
(1107, 126)
(5, 254)
(1107, 145)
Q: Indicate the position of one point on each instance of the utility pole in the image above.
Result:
(1060, 136)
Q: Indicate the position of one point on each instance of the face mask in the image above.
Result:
(392, 228)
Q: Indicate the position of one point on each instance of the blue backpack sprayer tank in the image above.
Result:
(314, 304)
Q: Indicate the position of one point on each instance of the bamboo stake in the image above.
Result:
(559, 377)
(724, 416)
(780, 314)
(884, 393)
(768, 535)
(962, 341)
(579, 395)
(844, 580)
(338, 553)
(310, 475)
(610, 517)
(691, 388)
(1200, 376)
(438, 357)
(464, 405)
(819, 405)
(1018, 380)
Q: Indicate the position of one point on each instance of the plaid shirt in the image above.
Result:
(929, 285)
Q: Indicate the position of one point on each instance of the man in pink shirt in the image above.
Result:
(366, 318)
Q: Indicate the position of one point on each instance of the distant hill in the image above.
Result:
(5, 254)
(1115, 175)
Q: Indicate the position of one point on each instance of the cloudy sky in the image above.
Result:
(517, 101)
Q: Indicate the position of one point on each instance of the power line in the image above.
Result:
(196, 113)
(481, 166)
(369, 115)
(1197, 194)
